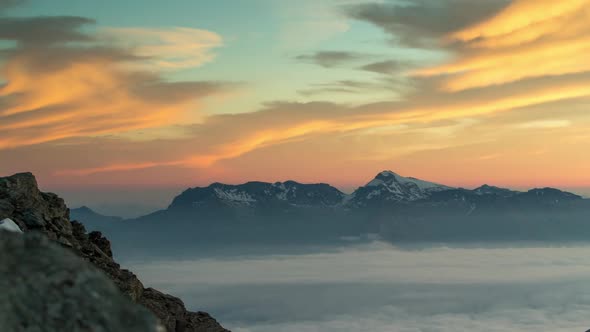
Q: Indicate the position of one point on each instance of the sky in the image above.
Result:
(109, 96)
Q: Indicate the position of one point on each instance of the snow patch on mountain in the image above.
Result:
(283, 190)
(234, 196)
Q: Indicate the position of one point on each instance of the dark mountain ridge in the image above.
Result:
(397, 208)
(260, 194)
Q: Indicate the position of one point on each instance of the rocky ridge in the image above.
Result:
(36, 211)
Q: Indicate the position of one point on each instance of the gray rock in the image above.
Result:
(46, 213)
(47, 288)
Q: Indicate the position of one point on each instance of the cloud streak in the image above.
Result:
(169, 49)
(62, 82)
(421, 23)
(244, 133)
(386, 67)
(527, 39)
(329, 59)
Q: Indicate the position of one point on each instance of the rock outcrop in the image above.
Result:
(48, 288)
(33, 210)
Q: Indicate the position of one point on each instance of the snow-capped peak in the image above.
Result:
(387, 174)
(388, 185)
(386, 177)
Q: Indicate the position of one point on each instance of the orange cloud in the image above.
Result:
(117, 168)
(87, 98)
(173, 48)
(519, 15)
(265, 132)
(104, 91)
(528, 39)
(54, 90)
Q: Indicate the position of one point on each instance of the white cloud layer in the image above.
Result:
(379, 288)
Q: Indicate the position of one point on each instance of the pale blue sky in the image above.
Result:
(168, 69)
(261, 39)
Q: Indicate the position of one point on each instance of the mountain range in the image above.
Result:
(397, 208)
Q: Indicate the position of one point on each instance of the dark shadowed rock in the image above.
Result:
(32, 210)
(177, 318)
(47, 288)
(101, 242)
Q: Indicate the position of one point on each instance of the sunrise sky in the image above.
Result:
(137, 94)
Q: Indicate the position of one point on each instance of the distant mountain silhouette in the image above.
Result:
(399, 209)
(91, 219)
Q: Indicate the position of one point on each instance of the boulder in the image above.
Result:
(46, 287)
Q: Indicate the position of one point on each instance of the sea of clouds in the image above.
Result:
(380, 288)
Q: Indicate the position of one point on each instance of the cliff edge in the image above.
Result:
(46, 213)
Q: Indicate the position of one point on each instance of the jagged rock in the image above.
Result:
(177, 318)
(30, 209)
(23, 202)
(101, 242)
(47, 288)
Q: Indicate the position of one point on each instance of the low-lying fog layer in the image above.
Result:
(378, 288)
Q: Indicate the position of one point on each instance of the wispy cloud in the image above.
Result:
(545, 124)
(67, 84)
(62, 81)
(421, 23)
(527, 39)
(329, 59)
(173, 48)
(244, 133)
(386, 67)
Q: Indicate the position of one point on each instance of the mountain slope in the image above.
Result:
(259, 194)
(33, 210)
(492, 190)
(388, 186)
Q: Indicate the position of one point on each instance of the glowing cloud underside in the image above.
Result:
(526, 40)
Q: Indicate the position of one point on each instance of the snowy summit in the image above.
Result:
(391, 186)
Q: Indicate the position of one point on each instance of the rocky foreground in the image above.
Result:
(38, 212)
